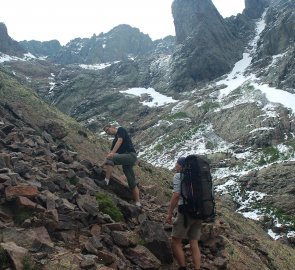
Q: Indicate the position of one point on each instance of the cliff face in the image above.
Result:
(206, 46)
(254, 8)
(7, 44)
(274, 59)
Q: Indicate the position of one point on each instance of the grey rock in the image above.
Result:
(156, 240)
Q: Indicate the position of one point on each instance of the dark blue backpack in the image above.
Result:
(197, 189)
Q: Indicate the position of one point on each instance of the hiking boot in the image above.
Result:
(101, 183)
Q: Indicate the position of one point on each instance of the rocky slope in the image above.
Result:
(54, 211)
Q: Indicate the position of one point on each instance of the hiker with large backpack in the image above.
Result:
(193, 195)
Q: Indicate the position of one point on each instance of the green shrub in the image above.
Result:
(175, 116)
(107, 206)
(21, 215)
(74, 180)
(268, 155)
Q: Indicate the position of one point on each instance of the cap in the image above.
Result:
(181, 161)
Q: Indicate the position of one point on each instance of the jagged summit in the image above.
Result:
(8, 45)
(208, 48)
(193, 16)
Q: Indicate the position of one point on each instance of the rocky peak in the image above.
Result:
(208, 48)
(122, 42)
(7, 44)
(191, 16)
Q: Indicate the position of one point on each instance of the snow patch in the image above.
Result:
(98, 66)
(155, 98)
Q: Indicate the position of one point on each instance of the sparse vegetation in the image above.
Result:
(21, 215)
(278, 213)
(175, 116)
(107, 206)
(182, 135)
(4, 259)
(74, 180)
(210, 106)
(28, 264)
(268, 155)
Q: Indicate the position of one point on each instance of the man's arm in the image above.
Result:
(115, 148)
(173, 203)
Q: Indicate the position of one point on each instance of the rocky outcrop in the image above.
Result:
(38, 48)
(8, 45)
(254, 8)
(277, 181)
(245, 125)
(275, 53)
(206, 47)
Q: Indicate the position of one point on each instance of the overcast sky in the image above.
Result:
(65, 20)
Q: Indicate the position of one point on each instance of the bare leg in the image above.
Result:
(135, 193)
(196, 254)
(109, 171)
(178, 251)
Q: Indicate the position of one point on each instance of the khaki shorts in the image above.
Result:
(191, 232)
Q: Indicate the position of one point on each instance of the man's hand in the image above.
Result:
(169, 219)
(110, 155)
(173, 203)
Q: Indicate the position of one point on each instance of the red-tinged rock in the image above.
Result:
(13, 192)
(27, 203)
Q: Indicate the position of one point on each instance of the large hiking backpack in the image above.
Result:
(197, 189)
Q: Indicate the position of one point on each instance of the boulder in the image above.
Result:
(142, 257)
(156, 240)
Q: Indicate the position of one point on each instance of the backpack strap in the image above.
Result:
(184, 200)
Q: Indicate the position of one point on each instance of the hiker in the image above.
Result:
(122, 153)
(191, 231)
